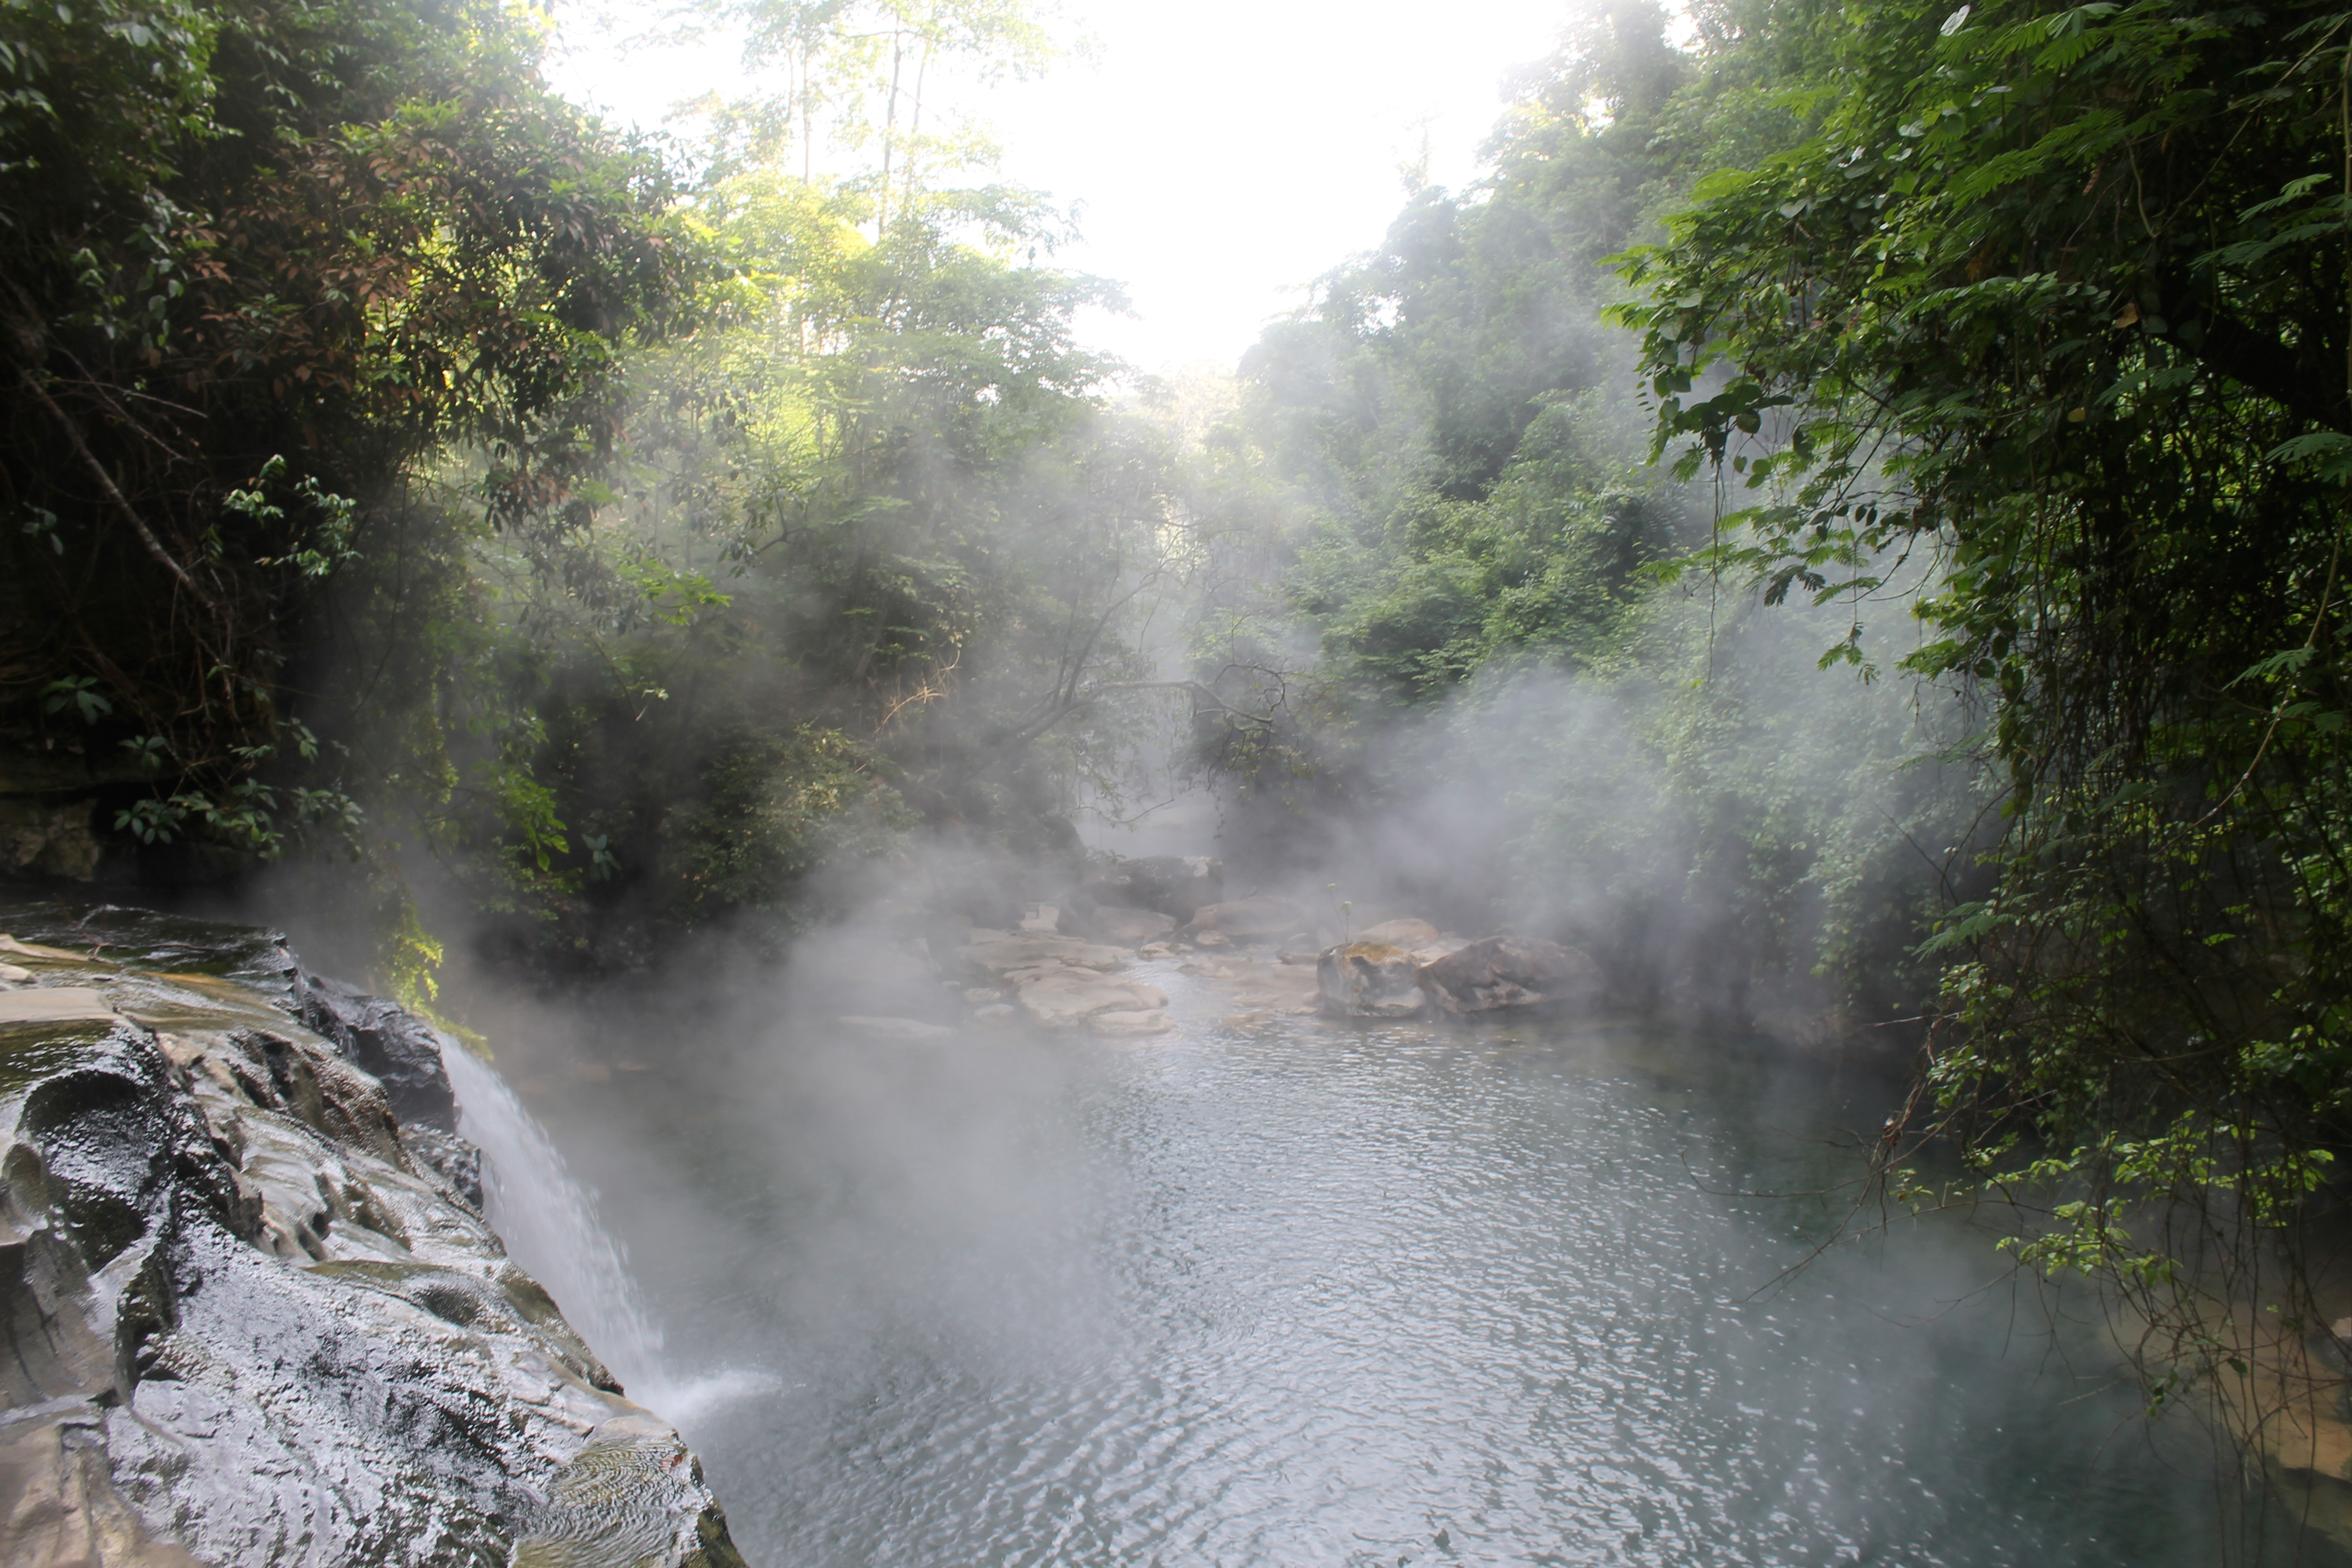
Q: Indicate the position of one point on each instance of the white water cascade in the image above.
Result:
(550, 1225)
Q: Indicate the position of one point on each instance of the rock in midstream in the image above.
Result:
(1413, 935)
(1369, 980)
(247, 1325)
(1508, 974)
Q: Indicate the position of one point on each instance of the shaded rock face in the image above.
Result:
(1174, 884)
(48, 839)
(1505, 972)
(49, 809)
(243, 1322)
(401, 1051)
(1369, 980)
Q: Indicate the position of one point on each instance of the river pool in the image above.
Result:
(1273, 1290)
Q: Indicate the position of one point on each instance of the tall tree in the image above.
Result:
(859, 73)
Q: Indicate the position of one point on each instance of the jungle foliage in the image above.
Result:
(402, 462)
(2055, 302)
(1472, 545)
(265, 267)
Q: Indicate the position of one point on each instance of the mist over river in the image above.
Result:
(1277, 1289)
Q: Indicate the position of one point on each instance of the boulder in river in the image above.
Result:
(1252, 918)
(1175, 885)
(1369, 980)
(1502, 973)
(1409, 934)
(247, 1323)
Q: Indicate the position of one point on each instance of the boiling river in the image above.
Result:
(1273, 1290)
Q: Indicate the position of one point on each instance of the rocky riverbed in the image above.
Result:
(1066, 964)
(254, 1315)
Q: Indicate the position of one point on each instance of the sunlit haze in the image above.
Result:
(1220, 155)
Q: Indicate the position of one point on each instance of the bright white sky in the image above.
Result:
(1222, 154)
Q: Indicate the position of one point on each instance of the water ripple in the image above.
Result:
(1294, 1294)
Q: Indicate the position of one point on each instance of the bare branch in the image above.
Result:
(106, 484)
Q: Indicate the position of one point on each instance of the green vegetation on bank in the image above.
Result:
(2055, 300)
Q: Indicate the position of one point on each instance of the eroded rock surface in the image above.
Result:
(1369, 980)
(247, 1318)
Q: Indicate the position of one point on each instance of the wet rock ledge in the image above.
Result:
(250, 1315)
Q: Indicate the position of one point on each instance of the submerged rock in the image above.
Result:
(877, 1029)
(634, 1495)
(1502, 973)
(1369, 980)
(251, 1320)
(1146, 1021)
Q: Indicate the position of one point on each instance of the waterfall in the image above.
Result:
(550, 1225)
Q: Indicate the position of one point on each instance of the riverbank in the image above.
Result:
(257, 1318)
